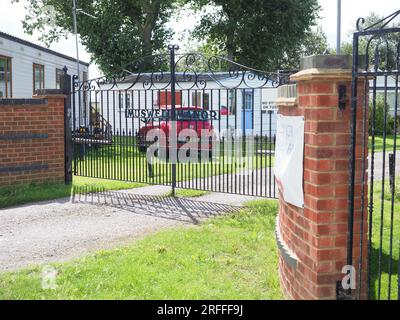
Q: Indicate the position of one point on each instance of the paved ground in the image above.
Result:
(378, 165)
(68, 228)
(257, 182)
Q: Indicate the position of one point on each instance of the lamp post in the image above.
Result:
(76, 38)
(75, 11)
(339, 26)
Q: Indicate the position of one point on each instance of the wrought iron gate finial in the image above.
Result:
(379, 25)
(173, 47)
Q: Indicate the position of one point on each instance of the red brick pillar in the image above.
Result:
(32, 139)
(313, 240)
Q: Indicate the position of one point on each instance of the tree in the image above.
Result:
(259, 33)
(125, 30)
(385, 45)
(314, 42)
(381, 111)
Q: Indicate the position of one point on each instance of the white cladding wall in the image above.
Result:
(23, 57)
(137, 98)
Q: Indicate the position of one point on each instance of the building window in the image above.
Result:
(59, 74)
(196, 99)
(124, 100)
(206, 101)
(248, 99)
(38, 77)
(128, 101)
(5, 77)
(121, 100)
(201, 100)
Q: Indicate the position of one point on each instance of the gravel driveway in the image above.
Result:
(67, 228)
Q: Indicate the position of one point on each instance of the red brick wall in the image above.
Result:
(32, 140)
(318, 234)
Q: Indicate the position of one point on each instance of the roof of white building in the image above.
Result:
(38, 47)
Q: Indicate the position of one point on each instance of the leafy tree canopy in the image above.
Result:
(386, 44)
(264, 34)
(124, 31)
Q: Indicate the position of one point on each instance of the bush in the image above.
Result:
(392, 125)
(380, 111)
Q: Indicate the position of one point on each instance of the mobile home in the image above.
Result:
(26, 67)
(242, 107)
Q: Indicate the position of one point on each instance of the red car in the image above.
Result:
(194, 118)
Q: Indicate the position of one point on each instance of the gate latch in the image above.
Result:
(342, 97)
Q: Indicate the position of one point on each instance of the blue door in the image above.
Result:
(248, 111)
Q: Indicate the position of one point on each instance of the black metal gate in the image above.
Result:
(376, 70)
(185, 125)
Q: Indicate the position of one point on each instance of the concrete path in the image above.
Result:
(378, 165)
(258, 182)
(63, 229)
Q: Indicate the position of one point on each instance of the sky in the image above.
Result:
(13, 14)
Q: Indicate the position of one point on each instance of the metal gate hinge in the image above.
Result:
(342, 97)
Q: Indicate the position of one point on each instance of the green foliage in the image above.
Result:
(125, 30)
(379, 48)
(382, 254)
(377, 117)
(314, 42)
(187, 193)
(388, 143)
(393, 124)
(264, 34)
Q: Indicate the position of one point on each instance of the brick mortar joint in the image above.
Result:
(315, 223)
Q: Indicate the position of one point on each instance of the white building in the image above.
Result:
(26, 67)
(245, 107)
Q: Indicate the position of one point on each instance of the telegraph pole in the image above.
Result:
(74, 11)
(339, 26)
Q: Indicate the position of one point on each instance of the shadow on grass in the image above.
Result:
(165, 207)
(385, 272)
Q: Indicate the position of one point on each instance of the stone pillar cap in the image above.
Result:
(326, 61)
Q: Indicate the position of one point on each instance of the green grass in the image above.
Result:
(389, 143)
(188, 193)
(231, 257)
(123, 161)
(386, 236)
(18, 195)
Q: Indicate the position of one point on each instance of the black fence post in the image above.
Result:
(352, 163)
(392, 170)
(173, 141)
(66, 89)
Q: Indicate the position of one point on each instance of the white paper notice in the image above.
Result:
(289, 155)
